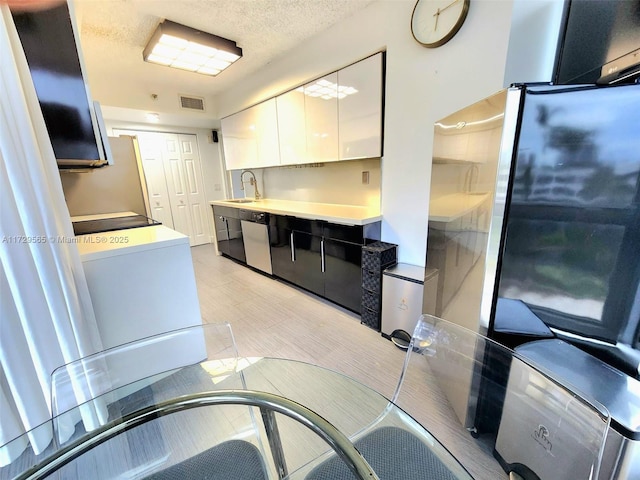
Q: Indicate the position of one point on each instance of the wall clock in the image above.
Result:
(435, 22)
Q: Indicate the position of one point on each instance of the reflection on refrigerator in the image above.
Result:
(535, 201)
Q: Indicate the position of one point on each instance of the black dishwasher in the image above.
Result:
(229, 232)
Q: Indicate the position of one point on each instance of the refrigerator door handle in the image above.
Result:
(322, 254)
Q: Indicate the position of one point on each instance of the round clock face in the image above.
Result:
(435, 22)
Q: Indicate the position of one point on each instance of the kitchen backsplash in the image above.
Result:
(339, 182)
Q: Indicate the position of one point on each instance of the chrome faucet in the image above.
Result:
(252, 181)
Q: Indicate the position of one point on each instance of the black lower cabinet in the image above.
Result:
(343, 273)
(308, 262)
(321, 257)
(282, 254)
(236, 242)
(229, 233)
(295, 255)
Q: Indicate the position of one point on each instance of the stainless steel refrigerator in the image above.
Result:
(535, 209)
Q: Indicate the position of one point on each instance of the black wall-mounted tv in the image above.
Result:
(599, 43)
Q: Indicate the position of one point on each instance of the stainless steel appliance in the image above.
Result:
(402, 300)
(586, 376)
(255, 233)
(535, 197)
(550, 216)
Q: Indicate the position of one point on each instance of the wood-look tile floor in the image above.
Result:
(273, 319)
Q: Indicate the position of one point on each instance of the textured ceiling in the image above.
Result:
(114, 32)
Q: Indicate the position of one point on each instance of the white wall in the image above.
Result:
(114, 188)
(535, 28)
(422, 85)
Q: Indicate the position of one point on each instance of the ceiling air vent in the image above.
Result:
(192, 103)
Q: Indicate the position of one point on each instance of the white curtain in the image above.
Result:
(46, 316)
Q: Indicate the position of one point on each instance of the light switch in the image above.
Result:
(365, 178)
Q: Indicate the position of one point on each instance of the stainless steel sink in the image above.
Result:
(240, 200)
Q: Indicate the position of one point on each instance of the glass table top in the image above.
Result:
(173, 437)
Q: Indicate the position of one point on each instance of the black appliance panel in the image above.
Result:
(85, 227)
(256, 217)
(573, 223)
(597, 34)
(579, 147)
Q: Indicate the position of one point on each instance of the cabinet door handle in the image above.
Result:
(293, 249)
(322, 254)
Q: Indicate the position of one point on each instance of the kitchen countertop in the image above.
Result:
(451, 207)
(341, 214)
(95, 246)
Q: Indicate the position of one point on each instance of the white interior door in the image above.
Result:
(198, 206)
(152, 164)
(176, 183)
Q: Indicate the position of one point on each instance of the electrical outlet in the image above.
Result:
(365, 178)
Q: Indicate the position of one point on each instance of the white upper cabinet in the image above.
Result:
(292, 132)
(250, 137)
(240, 147)
(321, 119)
(266, 119)
(360, 109)
(336, 117)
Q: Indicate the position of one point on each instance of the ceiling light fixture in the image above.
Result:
(326, 90)
(186, 48)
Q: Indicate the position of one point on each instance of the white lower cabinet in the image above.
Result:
(141, 288)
